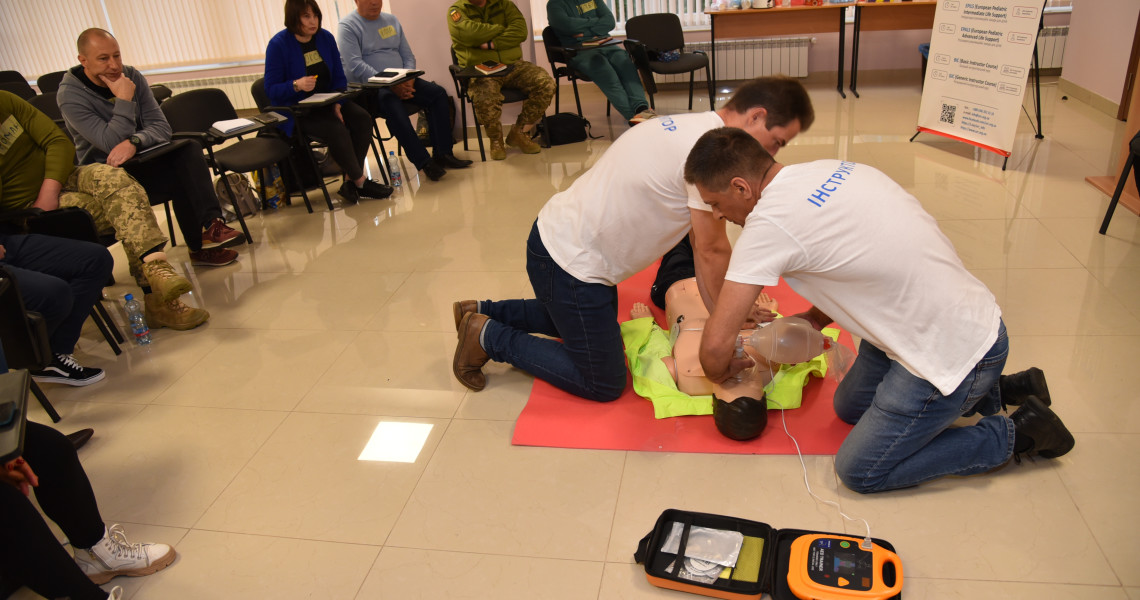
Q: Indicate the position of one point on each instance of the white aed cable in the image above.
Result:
(866, 545)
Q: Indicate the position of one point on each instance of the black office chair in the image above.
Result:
(461, 82)
(647, 36)
(1130, 164)
(557, 55)
(161, 92)
(19, 88)
(24, 336)
(49, 82)
(191, 115)
(47, 104)
(308, 178)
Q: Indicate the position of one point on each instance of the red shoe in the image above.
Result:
(213, 257)
(220, 235)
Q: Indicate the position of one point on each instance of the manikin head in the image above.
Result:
(99, 56)
(771, 109)
(730, 169)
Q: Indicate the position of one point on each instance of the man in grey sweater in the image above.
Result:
(112, 115)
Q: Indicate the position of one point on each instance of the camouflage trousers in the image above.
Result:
(120, 206)
(531, 79)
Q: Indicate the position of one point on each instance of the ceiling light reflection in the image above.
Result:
(394, 441)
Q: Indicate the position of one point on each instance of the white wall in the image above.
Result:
(1099, 44)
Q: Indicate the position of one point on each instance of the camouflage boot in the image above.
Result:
(174, 314)
(163, 280)
(495, 133)
(521, 140)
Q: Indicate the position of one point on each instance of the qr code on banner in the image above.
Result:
(948, 111)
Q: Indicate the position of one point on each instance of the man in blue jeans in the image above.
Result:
(61, 279)
(371, 41)
(862, 250)
(615, 220)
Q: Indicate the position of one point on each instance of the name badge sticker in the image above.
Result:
(10, 131)
(312, 58)
(386, 32)
(586, 7)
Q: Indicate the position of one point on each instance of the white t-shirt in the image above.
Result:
(860, 248)
(631, 207)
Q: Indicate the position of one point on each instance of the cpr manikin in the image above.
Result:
(739, 407)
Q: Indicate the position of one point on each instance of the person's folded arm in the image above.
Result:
(472, 34)
(516, 31)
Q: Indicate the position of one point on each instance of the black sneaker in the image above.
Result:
(1017, 387)
(349, 192)
(63, 369)
(1039, 431)
(375, 190)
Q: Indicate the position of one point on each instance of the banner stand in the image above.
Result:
(1036, 104)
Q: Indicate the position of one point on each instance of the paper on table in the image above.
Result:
(317, 98)
(232, 125)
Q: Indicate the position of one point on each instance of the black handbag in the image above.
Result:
(563, 128)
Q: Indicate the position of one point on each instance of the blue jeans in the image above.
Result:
(434, 100)
(590, 360)
(903, 434)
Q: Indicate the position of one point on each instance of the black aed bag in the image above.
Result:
(737, 559)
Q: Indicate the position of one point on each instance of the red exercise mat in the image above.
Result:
(558, 419)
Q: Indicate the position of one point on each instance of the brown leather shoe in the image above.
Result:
(469, 355)
(458, 309)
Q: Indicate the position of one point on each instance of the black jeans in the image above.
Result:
(59, 278)
(30, 553)
(677, 264)
(348, 141)
(182, 176)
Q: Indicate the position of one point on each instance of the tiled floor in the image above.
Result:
(238, 442)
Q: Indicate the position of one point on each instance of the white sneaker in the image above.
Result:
(116, 593)
(114, 556)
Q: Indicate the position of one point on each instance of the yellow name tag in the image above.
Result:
(587, 7)
(387, 32)
(10, 130)
(312, 58)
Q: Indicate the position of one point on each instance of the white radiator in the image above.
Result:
(1051, 46)
(745, 59)
(235, 86)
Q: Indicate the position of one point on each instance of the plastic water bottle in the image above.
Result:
(393, 169)
(138, 320)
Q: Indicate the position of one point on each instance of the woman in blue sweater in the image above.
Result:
(302, 60)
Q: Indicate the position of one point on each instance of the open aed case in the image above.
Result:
(762, 565)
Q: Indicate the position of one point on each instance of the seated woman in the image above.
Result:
(610, 67)
(302, 60)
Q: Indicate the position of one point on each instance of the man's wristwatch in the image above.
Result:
(136, 141)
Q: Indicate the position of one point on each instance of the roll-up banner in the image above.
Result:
(976, 75)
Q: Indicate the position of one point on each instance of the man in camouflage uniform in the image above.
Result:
(37, 170)
(483, 30)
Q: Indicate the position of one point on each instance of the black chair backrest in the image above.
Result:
(197, 110)
(260, 96)
(46, 103)
(554, 51)
(49, 82)
(12, 77)
(161, 92)
(658, 31)
(19, 88)
(22, 333)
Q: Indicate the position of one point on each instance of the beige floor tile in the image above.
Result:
(480, 494)
(228, 565)
(1104, 494)
(307, 478)
(945, 589)
(1013, 243)
(423, 302)
(507, 392)
(1123, 283)
(399, 360)
(259, 369)
(768, 489)
(1133, 593)
(1058, 302)
(425, 574)
(1033, 531)
(1082, 238)
(626, 581)
(168, 464)
(321, 301)
(967, 196)
(381, 401)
